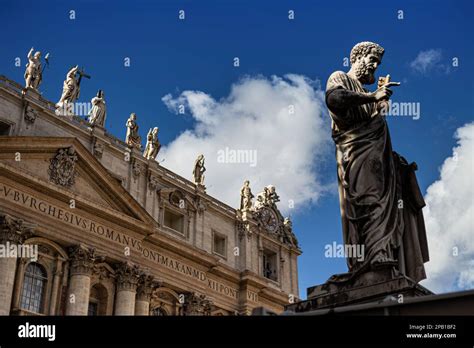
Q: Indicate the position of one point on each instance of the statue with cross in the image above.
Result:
(71, 90)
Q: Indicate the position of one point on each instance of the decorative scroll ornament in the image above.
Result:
(62, 170)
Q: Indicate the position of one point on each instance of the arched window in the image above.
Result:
(34, 288)
(97, 300)
(158, 312)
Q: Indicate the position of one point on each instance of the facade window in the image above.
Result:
(174, 221)
(34, 288)
(219, 244)
(97, 300)
(93, 309)
(158, 312)
(4, 128)
(270, 265)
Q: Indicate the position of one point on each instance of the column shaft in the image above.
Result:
(142, 307)
(13, 232)
(78, 294)
(82, 262)
(125, 302)
(7, 276)
(127, 276)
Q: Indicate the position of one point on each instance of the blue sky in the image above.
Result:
(170, 55)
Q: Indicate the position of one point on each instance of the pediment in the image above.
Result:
(65, 165)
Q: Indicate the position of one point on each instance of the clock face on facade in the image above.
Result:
(269, 219)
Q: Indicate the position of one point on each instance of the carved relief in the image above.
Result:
(201, 205)
(243, 229)
(62, 170)
(153, 183)
(30, 115)
(177, 199)
(136, 168)
(267, 198)
(102, 271)
(289, 236)
(98, 150)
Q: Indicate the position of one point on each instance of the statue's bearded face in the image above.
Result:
(365, 67)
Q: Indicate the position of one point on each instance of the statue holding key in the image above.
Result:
(380, 201)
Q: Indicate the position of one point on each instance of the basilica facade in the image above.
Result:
(113, 232)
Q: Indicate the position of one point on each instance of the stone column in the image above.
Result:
(20, 271)
(13, 232)
(56, 284)
(82, 261)
(146, 286)
(127, 277)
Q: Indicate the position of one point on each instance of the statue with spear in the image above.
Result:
(34, 72)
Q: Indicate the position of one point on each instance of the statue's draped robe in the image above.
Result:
(131, 137)
(152, 145)
(98, 112)
(71, 89)
(380, 199)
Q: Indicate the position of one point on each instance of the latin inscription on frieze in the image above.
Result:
(71, 217)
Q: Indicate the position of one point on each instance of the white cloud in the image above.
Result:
(427, 61)
(256, 116)
(449, 219)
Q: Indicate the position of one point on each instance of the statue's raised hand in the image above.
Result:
(384, 92)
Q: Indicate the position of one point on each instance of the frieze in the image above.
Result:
(76, 220)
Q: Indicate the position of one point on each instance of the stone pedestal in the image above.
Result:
(247, 215)
(200, 189)
(97, 131)
(32, 93)
(372, 286)
(82, 262)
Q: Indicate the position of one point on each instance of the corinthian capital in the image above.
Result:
(14, 230)
(127, 276)
(197, 304)
(83, 259)
(146, 285)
